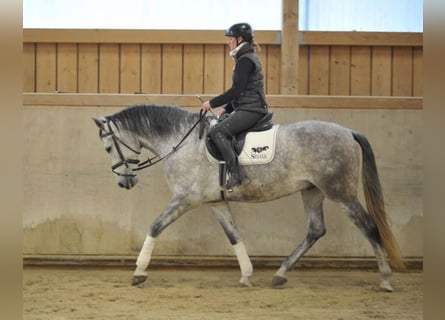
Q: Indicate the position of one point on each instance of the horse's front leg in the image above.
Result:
(225, 218)
(174, 210)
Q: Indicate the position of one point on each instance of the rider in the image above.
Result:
(244, 102)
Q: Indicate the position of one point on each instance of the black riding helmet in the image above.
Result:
(242, 29)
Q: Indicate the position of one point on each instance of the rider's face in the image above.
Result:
(232, 42)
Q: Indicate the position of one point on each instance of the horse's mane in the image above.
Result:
(153, 119)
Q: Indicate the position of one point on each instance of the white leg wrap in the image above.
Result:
(145, 254)
(243, 259)
(281, 272)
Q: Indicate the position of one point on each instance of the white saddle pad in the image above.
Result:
(259, 148)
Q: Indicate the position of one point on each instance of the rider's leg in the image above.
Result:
(226, 149)
(222, 135)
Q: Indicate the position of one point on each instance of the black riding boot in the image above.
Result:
(236, 174)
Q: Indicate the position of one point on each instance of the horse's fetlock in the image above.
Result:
(156, 229)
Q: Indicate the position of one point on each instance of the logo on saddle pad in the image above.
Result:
(259, 148)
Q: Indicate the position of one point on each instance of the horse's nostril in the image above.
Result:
(121, 185)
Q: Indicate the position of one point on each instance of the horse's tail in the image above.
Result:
(375, 203)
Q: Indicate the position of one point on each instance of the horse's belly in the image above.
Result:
(262, 192)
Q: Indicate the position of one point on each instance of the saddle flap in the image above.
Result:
(264, 124)
(258, 148)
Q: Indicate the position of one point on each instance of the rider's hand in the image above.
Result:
(206, 106)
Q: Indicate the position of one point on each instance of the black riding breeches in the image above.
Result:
(237, 122)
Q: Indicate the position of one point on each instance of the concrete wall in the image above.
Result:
(73, 205)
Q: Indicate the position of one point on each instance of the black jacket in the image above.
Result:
(247, 91)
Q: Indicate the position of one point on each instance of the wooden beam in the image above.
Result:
(138, 36)
(190, 101)
(289, 48)
(361, 38)
(216, 37)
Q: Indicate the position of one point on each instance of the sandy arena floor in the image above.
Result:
(59, 294)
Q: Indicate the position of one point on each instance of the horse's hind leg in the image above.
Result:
(225, 218)
(369, 229)
(313, 206)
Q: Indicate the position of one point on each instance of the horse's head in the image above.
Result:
(123, 149)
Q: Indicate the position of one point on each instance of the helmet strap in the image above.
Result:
(238, 43)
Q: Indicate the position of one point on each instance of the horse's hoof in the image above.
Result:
(385, 286)
(278, 281)
(244, 281)
(138, 280)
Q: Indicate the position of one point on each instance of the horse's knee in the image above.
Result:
(316, 233)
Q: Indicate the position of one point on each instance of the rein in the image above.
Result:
(149, 162)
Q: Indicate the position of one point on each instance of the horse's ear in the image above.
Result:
(100, 122)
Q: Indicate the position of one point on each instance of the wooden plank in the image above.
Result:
(417, 72)
(130, 68)
(402, 73)
(108, 68)
(361, 38)
(46, 60)
(303, 71)
(172, 68)
(151, 65)
(189, 101)
(193, 68)
(381, 73)
(319, 70)
(289, 48)
(262, 57)
(228, 69)
(214, 68)
(273, 69)
(88, 74)
(67, 67)
(139, 36)
(340, 66)
(361, 71)
(29, 67)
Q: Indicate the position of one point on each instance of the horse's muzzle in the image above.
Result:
(127, 182)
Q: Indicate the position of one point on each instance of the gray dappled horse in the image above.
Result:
(318, 159)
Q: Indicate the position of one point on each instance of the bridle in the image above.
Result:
(147, 163)
(118, 142)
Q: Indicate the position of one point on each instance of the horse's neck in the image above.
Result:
(150, 145)
(158, 146)
(164, 145)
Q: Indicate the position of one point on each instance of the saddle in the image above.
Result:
(265, 123)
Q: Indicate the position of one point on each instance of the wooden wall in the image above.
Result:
(197, 62)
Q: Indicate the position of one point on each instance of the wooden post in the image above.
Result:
(289, 48)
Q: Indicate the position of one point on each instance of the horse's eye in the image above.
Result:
(108, 149)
